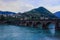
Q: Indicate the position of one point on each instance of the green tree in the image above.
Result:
(2, 18)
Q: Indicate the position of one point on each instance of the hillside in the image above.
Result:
(57, 14)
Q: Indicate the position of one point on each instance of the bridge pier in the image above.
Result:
(44, 26)
(29, 23)
(57, 26)
(33, 24)
(57, 29)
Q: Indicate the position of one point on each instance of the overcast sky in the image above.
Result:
(25, 5)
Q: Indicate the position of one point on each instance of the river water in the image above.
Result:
(11, 32)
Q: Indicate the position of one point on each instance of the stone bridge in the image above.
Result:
(44, 23)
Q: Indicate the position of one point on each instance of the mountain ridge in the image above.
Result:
(6, 12)
(57, 14)
(37, 12)
(41, 11)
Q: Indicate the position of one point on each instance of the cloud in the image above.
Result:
(25, 5)
(49, 2)
(51, 5)
(8, 0)
(54, 9)
(15, 6)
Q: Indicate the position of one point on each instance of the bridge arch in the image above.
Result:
(51, 27)
(39, 25)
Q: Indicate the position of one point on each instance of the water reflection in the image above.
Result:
(52, 28)
(11, 32)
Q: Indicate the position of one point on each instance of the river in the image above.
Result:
(12, 32)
